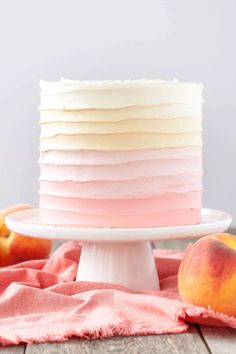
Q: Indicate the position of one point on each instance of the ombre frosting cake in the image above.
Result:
(121, 153)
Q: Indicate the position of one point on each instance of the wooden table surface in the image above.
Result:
(198, 339)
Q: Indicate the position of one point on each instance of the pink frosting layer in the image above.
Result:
(170, 218)
(143, 187)
(93, 157)
(125, 171)
(138, 206)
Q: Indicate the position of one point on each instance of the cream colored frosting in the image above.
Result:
(113, 94)
(168, 126)
(164, 111)
(129, 141)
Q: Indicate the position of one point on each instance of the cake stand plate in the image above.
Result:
(122, 256)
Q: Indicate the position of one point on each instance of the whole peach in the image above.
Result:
(16, 248)
(26, 248)
(207, 273)
(6, 258)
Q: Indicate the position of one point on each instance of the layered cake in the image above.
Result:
(120, 153)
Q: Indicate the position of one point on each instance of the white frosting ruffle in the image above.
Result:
(113, 94)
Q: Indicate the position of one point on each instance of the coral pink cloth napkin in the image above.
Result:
(40, 302)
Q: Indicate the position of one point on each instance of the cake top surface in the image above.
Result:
(113, 84)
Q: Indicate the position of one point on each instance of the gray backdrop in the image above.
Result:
(49, 39)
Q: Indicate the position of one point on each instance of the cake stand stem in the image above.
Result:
(130, 264)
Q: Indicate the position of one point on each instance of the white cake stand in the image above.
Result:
(122, 256)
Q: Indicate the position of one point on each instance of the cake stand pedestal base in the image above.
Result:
(130, 264)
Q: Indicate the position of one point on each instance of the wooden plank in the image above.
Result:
(185, 343)
(219, 340)
(19, 349)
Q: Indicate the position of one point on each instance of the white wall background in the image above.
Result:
(107, 39)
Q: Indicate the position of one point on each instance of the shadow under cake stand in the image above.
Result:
(117, 255)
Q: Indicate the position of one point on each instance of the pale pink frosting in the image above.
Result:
(140, 206)
(140, 187)
(125, 171)
(169, 218)
(96, 157)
